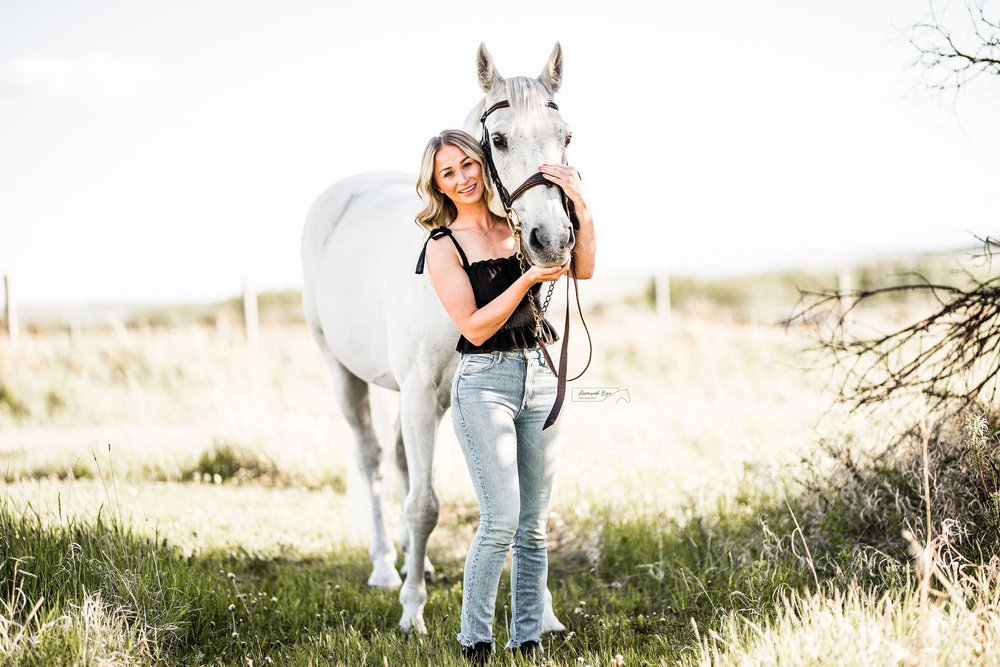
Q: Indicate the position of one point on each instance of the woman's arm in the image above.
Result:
(568, 178)
(453, 288)
(586, 243)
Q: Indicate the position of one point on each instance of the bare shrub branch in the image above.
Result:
(951, 356)
(955, 56)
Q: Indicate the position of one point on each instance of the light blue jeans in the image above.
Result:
(499, 402)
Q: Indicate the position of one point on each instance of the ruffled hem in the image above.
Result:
(510, 339)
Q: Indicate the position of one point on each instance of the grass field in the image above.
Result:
(170, 496)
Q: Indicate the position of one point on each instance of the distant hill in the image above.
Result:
(768, 295)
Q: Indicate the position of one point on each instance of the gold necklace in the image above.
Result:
(473, 229)
(488, 229)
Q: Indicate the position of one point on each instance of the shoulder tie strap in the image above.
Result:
(437, 233)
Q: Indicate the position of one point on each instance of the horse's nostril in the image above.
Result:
(535, 243)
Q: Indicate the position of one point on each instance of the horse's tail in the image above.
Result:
(321, 220)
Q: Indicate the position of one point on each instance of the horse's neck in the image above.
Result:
(471, 124)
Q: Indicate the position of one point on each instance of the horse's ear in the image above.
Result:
(489, 77)
(551, 76)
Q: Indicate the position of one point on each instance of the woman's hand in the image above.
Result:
(566, 177)
(537, 274)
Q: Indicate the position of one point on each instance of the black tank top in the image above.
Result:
(489, 279)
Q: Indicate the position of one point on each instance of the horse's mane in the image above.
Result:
(526, 93)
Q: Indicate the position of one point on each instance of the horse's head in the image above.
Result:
(522, 136)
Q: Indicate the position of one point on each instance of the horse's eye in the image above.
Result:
(499, 142)
(569, 137)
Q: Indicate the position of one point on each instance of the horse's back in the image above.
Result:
(353, 192)
(361, 297)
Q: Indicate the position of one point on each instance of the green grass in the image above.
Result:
(239, 464)
(690, 526)
(634, 592)
(654, 590)
(686, 586)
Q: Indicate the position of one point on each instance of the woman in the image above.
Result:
(502, 390)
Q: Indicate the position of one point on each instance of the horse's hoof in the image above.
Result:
(428, 570)
(385, 577)
(551, 624)
(413, 624)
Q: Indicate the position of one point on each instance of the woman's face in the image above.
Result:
(458, 176)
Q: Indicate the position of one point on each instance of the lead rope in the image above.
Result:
(562, 373)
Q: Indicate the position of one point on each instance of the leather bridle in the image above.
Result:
(507, 199)
(535, 179)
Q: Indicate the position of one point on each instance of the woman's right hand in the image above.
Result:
(536, 274)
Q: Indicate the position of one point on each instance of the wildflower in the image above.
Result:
(232, 607)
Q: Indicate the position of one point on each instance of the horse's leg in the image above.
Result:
(353, 396)
(419, 417)
(404, 476)
(404, 531)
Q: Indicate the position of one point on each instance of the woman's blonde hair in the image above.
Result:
(440, 210)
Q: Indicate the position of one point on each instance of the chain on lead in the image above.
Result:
(515, 227)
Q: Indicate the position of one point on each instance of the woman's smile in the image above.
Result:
(457, 175)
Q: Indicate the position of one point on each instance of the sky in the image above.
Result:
(165, 151)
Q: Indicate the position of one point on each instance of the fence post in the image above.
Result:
(250, 319)
(662, 290)
(10, 310)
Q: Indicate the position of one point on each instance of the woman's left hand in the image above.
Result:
(566, 177)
